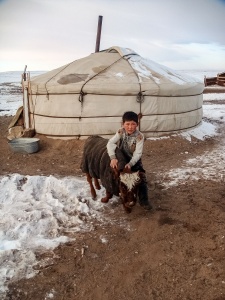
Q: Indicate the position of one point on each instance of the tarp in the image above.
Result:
(89, 96)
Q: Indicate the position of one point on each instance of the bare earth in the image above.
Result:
(177, 251)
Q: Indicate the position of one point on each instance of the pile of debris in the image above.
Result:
(218, 80)
(16, 126)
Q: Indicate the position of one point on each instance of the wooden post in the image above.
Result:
(24, 73)
(98, 38)
(25, 99)
(26, 108)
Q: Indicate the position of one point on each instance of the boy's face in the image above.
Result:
(130, 126)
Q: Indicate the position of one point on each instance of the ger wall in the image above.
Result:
(66, 116)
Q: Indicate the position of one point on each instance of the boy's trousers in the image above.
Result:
(143, 188)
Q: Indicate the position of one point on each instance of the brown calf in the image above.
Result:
(96, 164)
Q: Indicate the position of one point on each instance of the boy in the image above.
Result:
(130, 140)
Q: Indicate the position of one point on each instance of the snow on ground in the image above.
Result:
(214, 97)
(210, 166)
(9, 104)
(11, 97)
(39, 212)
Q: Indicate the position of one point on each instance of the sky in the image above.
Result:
(47, 34)
(39, 212)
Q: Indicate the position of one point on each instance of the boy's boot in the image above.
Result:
(143, 195)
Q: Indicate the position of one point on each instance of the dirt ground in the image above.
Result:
(176, 251)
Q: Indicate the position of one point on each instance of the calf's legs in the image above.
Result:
(89, 180)
(107, 197)
(127, 209)
(97, 186)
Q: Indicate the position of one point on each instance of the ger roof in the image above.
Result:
(113, 71)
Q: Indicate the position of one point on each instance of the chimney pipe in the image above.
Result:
(98, 38)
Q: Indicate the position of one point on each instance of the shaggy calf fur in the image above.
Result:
(96, 164)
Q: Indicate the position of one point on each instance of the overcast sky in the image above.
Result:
(46, 34)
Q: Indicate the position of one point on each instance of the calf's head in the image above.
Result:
(128, 187)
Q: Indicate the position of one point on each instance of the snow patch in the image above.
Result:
(39, 213)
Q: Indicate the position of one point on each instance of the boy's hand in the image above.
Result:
(114, 163)
(127, 168)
